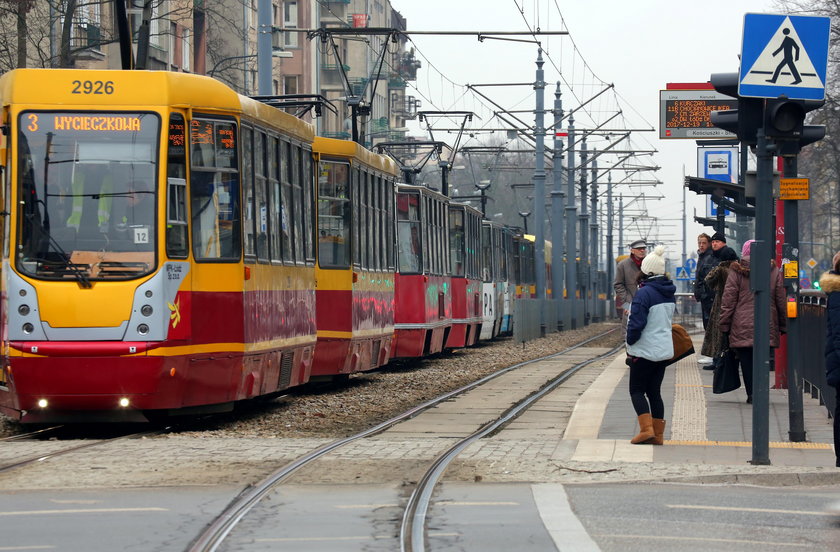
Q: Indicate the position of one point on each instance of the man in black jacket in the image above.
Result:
(720, 251)
(704, 264)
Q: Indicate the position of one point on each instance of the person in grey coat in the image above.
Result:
(627, 278)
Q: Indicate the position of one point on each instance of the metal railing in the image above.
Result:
(812, 323)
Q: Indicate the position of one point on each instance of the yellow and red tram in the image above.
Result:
(158, 245)
(423, 292)
(355, 270)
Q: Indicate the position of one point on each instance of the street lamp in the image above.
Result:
(482, 186)
(524, 215)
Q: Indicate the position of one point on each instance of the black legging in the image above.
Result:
(645, 380)
(745, 358)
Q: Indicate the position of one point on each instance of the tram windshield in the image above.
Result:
(86, 185)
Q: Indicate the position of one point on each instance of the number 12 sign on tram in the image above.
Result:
(784, 55)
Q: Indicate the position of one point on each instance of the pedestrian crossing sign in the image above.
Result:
(784, 55)
(683, 274)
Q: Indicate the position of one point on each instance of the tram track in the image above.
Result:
(217, 531)
(42, 457)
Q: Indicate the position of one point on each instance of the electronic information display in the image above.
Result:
(685, 113)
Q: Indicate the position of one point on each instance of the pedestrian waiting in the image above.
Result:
(738, 311)
(650, 346)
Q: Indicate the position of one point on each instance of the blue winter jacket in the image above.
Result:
(830, 284)
(649, 324)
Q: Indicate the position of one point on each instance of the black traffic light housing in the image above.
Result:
(784, 121)
(745, 121)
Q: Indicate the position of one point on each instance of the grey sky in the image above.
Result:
(638, 46)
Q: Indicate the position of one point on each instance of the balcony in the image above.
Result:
(335, 67)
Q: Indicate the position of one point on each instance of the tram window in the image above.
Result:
(285, 202)
(355, 195)
(260, 199)
(214, 196)
(275, 249)
(176, 194)
(297, 212)
(307, 207)
(333, 215)
(364, 232)
(389, 224)
(457, 242)
(486, 254)
(248, 191)
(409, 250)
(380, 223)
(373, 259)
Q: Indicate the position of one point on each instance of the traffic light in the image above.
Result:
(784, 121)
(745, 121)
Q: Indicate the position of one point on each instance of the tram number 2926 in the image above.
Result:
(93, 87)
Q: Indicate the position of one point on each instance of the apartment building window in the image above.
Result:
(185, 50)
(290, 21)
(174, 46)
(135, 19)
(290, 84)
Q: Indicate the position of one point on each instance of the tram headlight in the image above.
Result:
(23, 310)
(124, 402)
(143, 329)
(146, 310)
(42, 403)
(28, 328)
(149, 293)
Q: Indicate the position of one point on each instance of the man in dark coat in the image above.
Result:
(705, 263)
(720, 251)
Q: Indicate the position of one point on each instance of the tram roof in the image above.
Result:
(52, 87)
(352, 150)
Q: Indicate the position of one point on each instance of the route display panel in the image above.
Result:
(686, 114)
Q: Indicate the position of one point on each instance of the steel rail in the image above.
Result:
(22, 436)
(412, 533)
(217, 530)
(42, 457)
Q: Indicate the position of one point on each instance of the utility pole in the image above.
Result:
(571, 313)
(557, 207)
(594, 239)
(264, 48)
(610, 258)
(539, 186)
(790, 251)
(760, 256)
(584, 235)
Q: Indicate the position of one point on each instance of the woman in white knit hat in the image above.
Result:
(650, 345)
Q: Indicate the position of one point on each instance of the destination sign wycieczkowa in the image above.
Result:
(685, 113)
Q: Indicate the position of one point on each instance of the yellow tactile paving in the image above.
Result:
(773, 444)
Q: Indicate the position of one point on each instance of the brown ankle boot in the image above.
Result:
(658, 431)
(645, 430)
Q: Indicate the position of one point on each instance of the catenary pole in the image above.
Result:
(571, 236)
(558, 197)
(539, 184)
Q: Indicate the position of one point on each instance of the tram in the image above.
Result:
(159, 245)
(423, 291)
(356, 261)
(465, 250)
(494, 278)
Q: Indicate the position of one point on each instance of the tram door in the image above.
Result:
(5, 183)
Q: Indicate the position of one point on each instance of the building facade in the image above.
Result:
(219, 39)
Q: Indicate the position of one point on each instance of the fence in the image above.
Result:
(812, 320)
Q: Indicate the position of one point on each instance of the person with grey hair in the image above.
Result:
(627, 279)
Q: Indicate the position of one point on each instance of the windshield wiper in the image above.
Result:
(74, 269)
